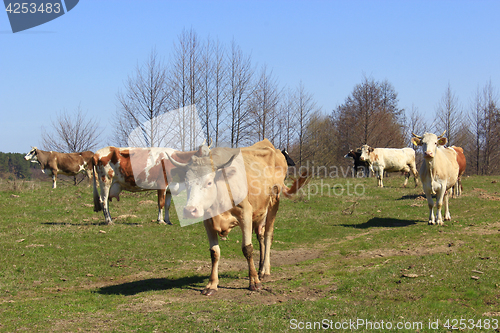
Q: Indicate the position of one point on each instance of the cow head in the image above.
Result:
(429, 143)
(365, 153)
(214, 183)
(32, 155)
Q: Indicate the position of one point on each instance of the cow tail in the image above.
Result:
(297, 185)
(97, 201)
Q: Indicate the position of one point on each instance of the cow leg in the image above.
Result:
(439, 204)
(247, 247)
(54, 179)
(105, 185)
(265, 270)
(213, 240)
(407, 176)
(447, 216)
(259, 231)
(430, 203)
(380, 177)
(164, 197)
(414, 171)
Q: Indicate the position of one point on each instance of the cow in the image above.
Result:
(462, 163)
(54, 163)
(390, 160)
(439, 172)
(135, 170)
(289, 160)
(355, 155)
(233, 187)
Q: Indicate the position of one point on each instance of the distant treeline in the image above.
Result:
(14, 165)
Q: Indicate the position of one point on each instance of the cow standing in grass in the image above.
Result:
(462, 163)
(233, 187)
(135, 170)
(439, 172)
(390, 160)
(356, 155)
(54, 163)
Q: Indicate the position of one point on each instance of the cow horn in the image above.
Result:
(439, 137)
(175, 163)
(419, 137)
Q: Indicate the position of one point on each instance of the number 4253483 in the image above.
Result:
(25, 8)
(462, 324)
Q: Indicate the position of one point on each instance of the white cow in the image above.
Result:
(439, 172)
(390, 160)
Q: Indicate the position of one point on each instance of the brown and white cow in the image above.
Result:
(390, 160)
(54, 163)
(462, 164)
(135, 170)
(233, 187)
(439, 172)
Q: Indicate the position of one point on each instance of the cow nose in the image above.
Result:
(190, 211)
(429, 154)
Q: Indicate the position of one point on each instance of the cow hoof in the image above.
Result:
(255, 287)
(432, 222)
(263, 276)
(208, 292)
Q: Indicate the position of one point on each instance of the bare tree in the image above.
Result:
(370, 115)
(72, 133)
(484, 118)
(305, 106)
(288, 120)
(240, 73)
(213, 90)
(415, 123)
(449, 116)
(263, 106)
(144, 100)
(185, 80)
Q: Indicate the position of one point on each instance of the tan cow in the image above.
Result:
(462, 164)
(439, 172)
(237, 187)
(390, 160)
(135, 170)
(54, 163)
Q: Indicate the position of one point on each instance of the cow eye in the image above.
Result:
(209, 184)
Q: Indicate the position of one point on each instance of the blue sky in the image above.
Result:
(84, 57)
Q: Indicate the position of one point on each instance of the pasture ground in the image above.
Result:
(366, 256)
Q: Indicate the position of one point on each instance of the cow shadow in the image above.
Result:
(71, 223)
(412, 196)
(382, 222)
(158, 284)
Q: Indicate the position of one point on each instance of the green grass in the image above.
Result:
(366, 255)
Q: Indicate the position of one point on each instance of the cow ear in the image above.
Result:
(416, 141)
(442, 141)
(229, 171)
(371, 150)
(178, 175)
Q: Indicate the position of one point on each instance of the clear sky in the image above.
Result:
(84, 57)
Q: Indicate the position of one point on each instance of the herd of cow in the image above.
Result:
(228, 187)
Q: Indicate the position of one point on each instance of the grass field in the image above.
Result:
(361, 259)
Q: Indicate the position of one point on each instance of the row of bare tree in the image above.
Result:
(370, 115)
(238, 104)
